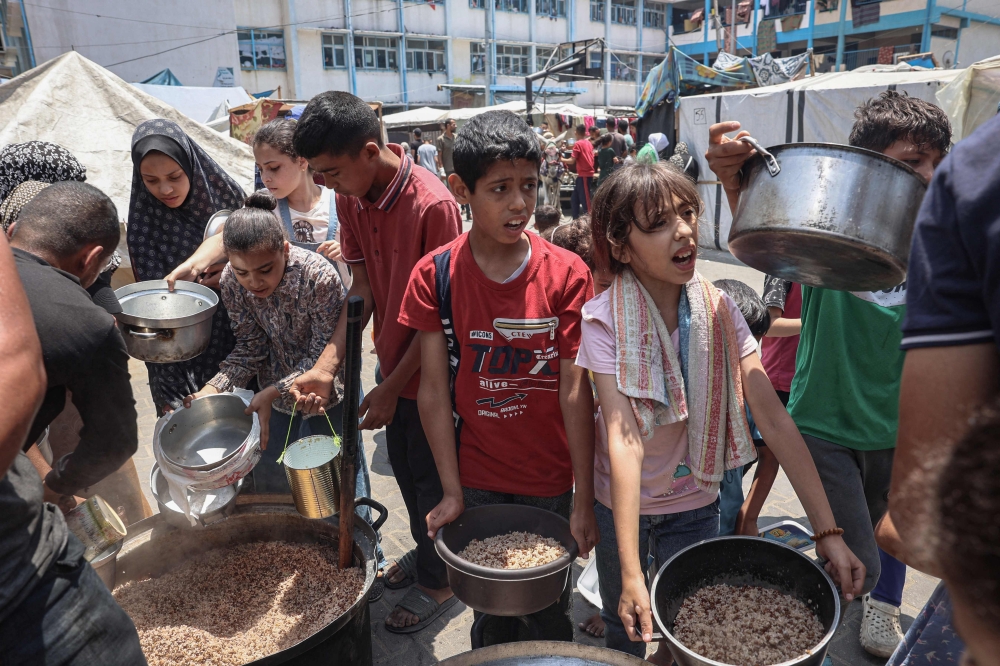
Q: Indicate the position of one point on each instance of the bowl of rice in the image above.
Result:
(507, 559)
(745, 601)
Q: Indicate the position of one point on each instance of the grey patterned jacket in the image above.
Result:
(281, 336)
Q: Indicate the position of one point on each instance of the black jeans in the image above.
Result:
(417, 476)
(69, 619)
(554, 622)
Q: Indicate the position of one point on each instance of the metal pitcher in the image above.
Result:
(312, 466)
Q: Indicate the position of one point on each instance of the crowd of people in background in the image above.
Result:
(619, 361)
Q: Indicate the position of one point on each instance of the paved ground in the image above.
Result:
(449, 634)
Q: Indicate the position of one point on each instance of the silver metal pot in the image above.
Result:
(826, 215)
(505, 592)
(543, 653)
(163, 326)
(220, 504)
(153, 548)
(105, 564)
(743, 561)
(206, 434)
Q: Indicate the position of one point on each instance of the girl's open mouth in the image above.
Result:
(684, 259)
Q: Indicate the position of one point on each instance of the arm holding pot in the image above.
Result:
(726, 158)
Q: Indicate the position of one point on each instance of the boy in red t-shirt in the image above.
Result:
(499, 313)
(582, 160)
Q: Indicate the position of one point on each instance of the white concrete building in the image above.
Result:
(412, 53)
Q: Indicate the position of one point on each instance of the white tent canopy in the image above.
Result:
(92, 113)
(425, 115)
(819, 108)
(197, 103)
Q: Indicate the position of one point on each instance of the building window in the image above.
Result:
(595, 60)
(512, 59)
(623, 67)
(551, 8)
(261, 49)
(654, 15)
(623, 11)
(519, 6)
(648, 63)
(375, 53)
(542, 57)
(425, 55)
(334, 51)
(597, 11)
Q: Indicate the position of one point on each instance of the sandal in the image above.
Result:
(378, 589)
(426, 609)
(408, 565)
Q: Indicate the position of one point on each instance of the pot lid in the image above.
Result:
(151, 304)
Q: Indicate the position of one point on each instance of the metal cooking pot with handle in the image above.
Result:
(163, 326)
(826, 215)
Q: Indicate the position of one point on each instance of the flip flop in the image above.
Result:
(408, 564)
(421, 605)
(378, 589)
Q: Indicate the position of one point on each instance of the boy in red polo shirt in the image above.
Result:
(391, 214)
(499, 315)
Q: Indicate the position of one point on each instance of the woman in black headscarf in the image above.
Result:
(176, 188)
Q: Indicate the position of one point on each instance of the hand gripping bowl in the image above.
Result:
(163, 326)
(826, 215)
(743, 561)
(505, 592)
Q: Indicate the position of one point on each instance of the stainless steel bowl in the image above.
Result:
(105, 564)
(216, 504)
(163, 326)
(505, 592)
(206, 434)
(827, 215)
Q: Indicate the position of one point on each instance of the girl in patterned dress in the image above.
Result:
(176, 188)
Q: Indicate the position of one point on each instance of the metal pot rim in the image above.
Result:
(827, 637)
(530, 573)
(785, 147)
(154, 286)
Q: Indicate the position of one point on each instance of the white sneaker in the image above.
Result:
(880, 630)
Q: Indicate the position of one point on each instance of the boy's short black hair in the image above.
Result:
(66, 217)
(969, 502)
(581, 129)
(546, 217)
(489, 138)
(337, 123)
(606, 140)
(417, 132)
(750, 304)
(623, 125)
(891, 117)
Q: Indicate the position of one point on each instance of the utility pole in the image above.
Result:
(841, 28)
(490, 63)
(925, 38)
(732, 28)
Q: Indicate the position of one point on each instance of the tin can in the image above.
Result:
(96, 524)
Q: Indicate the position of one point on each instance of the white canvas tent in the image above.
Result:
(819, 108)
(425, 115)
(92, 113)
(972, 98)
(198, 103)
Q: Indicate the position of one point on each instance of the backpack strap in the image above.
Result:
(442, 284)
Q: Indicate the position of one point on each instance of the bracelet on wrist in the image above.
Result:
(833, 531)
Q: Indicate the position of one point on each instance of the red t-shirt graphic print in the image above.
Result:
(511, 338)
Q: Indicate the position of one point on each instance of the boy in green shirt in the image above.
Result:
(845, 395)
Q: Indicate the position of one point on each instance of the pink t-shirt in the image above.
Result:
(667, 485)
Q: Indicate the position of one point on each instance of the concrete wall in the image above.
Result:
(139, 29)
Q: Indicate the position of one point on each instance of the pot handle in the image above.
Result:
(383, 514)
(148, 335)
(772, 164)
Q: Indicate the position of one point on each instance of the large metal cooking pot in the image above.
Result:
(743, 561)
(153, 548)
(505, 592)
(543, 653)
(206, 434)
(826, 215)
(163, 326)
